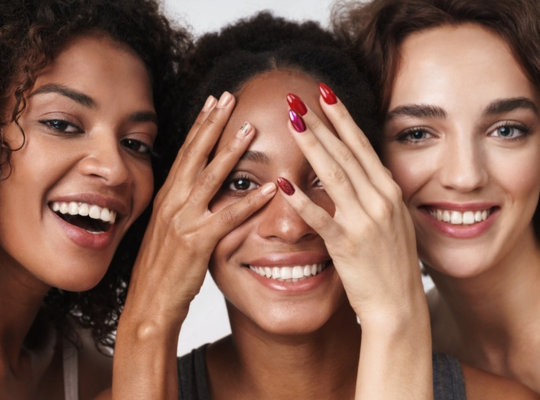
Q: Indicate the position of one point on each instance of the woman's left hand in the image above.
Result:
(372, 243)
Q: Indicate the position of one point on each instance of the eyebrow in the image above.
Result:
(418, 111)
(506, 105)
(74, 95)
(255, 156)
(144, 116)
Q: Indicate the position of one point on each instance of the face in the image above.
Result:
(83, 173)
(462, 139)
(275, 241)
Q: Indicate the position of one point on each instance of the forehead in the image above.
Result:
(450, 64)
(262, 102)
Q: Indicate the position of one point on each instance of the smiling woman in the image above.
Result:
(80, 104)
(460, 99)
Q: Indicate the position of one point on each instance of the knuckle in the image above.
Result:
(207, 177)
(315, 124)
(228, 217)
(337, 175)
(188, 153)
(343, 154)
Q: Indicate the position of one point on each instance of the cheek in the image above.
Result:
(144, 188)
(409, 171)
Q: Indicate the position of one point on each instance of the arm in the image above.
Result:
(371, 241)
(174, 256)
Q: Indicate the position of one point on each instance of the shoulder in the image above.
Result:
(481, 385)
(95, 369)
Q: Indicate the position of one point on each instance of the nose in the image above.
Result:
(463, 164)
(280, 222)
(104, 160)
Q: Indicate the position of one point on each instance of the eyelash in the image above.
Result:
(525, 130)
(235, 178)
(404, 136)
(124, 142)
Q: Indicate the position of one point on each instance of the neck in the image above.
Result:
(21, 297)
(494, 314)
(317, 365)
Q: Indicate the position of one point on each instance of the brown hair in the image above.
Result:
(375, 30)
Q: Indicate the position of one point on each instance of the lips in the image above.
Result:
(90, 217)
(293, 273)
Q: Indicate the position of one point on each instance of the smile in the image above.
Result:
(294, 273)
(90, 217)
(460, 218)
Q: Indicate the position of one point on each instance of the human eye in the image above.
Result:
(240, 183)
(510, 131)
(61, 125)
(136, 146)
(414, 135)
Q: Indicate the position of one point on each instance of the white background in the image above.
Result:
(207, 320)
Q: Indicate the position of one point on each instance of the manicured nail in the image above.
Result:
(328, 96)
(209, 103)
(286, 186)
(296, 104)
(244, 130)
(297, 121)
(268, 189)
(225, 99)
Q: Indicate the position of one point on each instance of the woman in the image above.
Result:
(459, 84)
(289, 339)
(84, 84)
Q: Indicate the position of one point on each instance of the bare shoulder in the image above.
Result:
(95, 370)
(481, 385)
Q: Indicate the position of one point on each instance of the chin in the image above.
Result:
(457, 265)
(74, 277)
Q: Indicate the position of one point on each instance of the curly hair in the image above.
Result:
(231, 58)
(375, 30)
(32, 33)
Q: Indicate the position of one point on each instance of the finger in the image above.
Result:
(193, 156)
(312, 214)
(354, 138)
(211, 179)
(337, 180)
(209, 105)
(232, 216)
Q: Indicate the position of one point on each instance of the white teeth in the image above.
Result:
(85, 209)
(460, 218)
(290, 274)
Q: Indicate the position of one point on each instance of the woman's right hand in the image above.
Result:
(175, 252)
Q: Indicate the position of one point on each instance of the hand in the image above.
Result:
(370, 237)
(183, 232)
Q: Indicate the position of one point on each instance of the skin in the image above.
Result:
(312, 334)
(485, 311)
(95, 152)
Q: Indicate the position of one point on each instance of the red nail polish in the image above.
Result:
(297, 121)
(286, 186)
(296, 104)
(328, 96)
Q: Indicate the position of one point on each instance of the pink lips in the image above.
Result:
(461, 231)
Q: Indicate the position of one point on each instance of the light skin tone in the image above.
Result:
(310, 323)
(81, 145)
(463, 134)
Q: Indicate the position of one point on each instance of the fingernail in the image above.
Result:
(296, 104)
(268, 188)
(209, 104)
(328, 96)
(286, 186)
(244, 130)
(297, 121)
(225, 99)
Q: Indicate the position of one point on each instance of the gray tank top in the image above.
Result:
(448, 383)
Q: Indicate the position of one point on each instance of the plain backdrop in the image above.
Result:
(207, 319)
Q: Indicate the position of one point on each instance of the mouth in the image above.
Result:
(90, 217)
(454, 217)
(293, 273)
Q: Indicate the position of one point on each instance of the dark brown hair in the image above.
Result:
(375, 30)
(32, 33)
